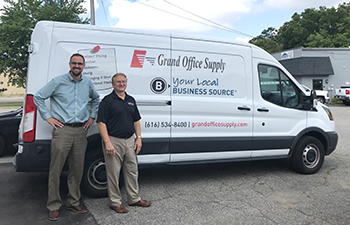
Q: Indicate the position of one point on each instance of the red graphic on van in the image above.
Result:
(138, 59)
(96, 49)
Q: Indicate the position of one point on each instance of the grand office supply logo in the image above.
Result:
(188, 62)
(138, 59)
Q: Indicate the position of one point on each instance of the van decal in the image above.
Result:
(218, 124)
(158, 85)
(189, 124)
(138, 59)
(187, 62)
(100, 65)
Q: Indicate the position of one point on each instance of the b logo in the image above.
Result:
(158, 85)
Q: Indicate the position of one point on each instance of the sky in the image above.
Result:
(228, 19)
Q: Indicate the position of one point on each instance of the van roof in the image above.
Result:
(152, 33)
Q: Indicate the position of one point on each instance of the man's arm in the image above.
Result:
(105, 137)
(138, 142)
(95, 100)
(39, 100)
(88, 123)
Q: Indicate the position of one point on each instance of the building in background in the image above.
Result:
(318, 68)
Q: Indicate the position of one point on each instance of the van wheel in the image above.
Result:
(308, 156)
(2, 145)
(94, 181)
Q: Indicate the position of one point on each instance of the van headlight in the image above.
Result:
(329, 113)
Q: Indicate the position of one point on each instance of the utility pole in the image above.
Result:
(92, 12)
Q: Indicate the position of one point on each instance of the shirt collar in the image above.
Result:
(114, 95)
(71, 78)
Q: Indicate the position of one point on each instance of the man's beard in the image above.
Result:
(75, 74)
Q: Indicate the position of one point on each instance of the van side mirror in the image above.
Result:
(309, 102)
(313, 99)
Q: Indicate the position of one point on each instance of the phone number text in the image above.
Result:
(167, 124)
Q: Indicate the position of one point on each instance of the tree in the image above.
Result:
(267, 40)
(16, 25)
(325, 27)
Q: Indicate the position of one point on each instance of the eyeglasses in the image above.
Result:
(76, 63)
(120, 81)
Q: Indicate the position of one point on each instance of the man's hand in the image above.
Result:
(54, 122)
(88, 123)
(109, 148)
(138, 145)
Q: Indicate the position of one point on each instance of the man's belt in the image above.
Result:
(123, 137)
(74, 124)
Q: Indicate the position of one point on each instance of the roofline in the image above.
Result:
(314, 49)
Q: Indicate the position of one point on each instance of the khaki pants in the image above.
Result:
(124, 158)
(66, 142)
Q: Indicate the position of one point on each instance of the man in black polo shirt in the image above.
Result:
(118, 120)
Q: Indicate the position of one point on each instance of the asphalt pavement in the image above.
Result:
(249, 193)
(23, 199)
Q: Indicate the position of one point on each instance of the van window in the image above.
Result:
(277, 88)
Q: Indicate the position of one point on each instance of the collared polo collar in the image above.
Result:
(114, 95)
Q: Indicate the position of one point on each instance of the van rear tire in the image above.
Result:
(94, 181)
(308, 155)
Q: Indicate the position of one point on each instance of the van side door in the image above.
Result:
(211, 116)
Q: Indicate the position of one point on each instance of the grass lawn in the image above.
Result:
(11, 104)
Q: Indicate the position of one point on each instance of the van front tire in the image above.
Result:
(308, 155)
(94, 181)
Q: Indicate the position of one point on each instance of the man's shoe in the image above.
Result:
(119, 209)
(142, 203)
(53, 215)
(77, 209)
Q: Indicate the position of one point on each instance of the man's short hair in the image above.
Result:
(118, 74)
(77, 54)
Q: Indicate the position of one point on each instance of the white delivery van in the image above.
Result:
(201, 100)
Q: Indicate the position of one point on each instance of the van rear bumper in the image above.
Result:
(33, 157)
(332, 142)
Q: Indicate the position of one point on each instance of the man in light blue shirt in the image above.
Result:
(70, 118)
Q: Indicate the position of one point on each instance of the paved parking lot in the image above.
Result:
(262, 192)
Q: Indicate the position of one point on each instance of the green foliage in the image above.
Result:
(336, 101)
(322, 28)
(11, 104)
(16, 25)
(267, 40)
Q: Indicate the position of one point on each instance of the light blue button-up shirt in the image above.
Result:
(68, 99)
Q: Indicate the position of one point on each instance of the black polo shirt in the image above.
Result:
(119, 115)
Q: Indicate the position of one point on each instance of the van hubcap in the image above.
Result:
(311, 156)
(97, 174)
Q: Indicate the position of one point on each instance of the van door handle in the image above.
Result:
(263, 110)
(244, 108)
